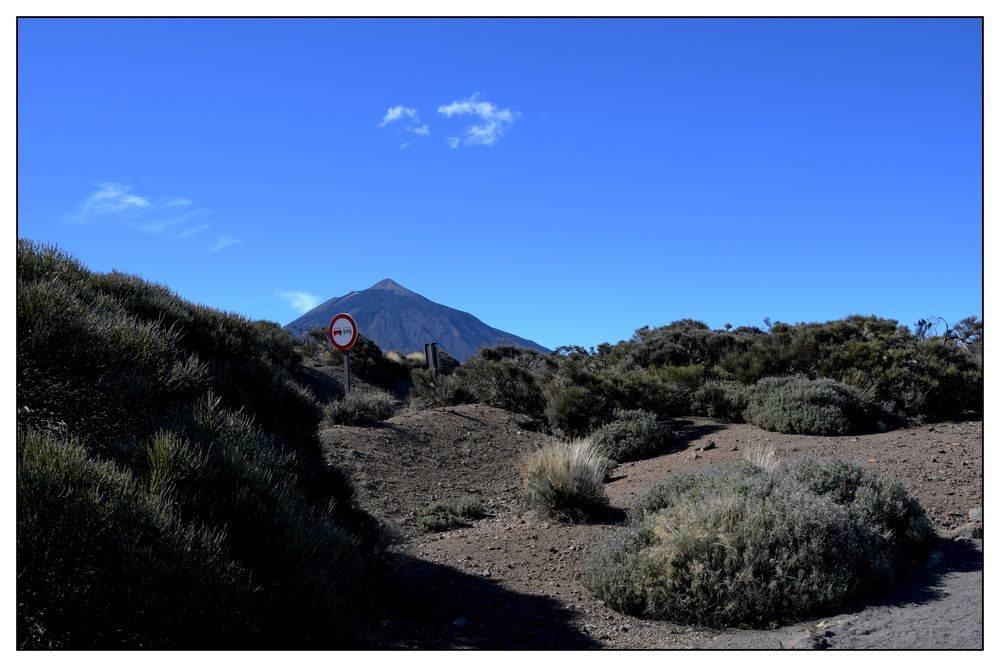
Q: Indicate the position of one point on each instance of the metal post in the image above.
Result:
(347, 374)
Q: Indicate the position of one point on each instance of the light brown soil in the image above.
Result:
(510, 581)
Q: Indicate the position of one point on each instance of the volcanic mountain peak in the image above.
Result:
(399, 319)
(392, 286)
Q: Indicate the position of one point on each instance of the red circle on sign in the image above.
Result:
(338, 325)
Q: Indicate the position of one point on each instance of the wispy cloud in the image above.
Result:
(192, 231)
(158, 225)
(403, 147)
(454, 142)
(300, 301)
(110, 199)
(224, 242)
(395, 113)
(178, 201)
(423, 130)
(493, 120)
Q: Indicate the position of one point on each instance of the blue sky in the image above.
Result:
(566, 180)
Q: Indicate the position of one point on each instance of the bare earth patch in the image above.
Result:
(511, 581)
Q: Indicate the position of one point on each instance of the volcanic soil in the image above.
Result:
(511, 581)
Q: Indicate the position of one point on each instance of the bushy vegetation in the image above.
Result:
(565, 481)
(742, 545)
(848, 375)
(171, 489)
(797, 404)
(359, 408)
(449, 514)
(633, 435)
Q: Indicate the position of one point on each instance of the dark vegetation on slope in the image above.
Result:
(171, 490)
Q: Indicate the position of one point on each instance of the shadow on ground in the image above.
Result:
(922, 585)
(686, 432)
(439, 607)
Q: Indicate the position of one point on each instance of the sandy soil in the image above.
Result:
(512, 582)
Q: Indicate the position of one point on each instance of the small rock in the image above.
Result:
(695, 455)
(934, 459)
(624, 628)
(976, 514)
(707, 446)
(487, 573)
(734, 449)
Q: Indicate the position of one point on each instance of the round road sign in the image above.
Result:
(343, 332)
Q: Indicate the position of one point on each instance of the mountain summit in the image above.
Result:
(400, 319)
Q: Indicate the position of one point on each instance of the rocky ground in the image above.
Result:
(512, 582)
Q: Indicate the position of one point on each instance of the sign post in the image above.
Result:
(343, 334)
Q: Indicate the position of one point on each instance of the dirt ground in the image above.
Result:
(513, 582)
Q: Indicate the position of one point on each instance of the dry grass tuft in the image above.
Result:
(566, 481)
(762, 457)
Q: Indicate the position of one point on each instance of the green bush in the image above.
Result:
(448, 514)
(742, 546)
(721, 400)
(360, 407)
(565, 481)
(814, 407)
(435, 390)
(502, 383)
(172, 491)
(633, 435)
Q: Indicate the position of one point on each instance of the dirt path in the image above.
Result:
(512, 582)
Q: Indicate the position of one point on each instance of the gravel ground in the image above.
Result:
(512, 582)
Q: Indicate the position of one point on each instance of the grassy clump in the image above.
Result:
(633, 435)
(740, 545)
(171, 489)
(565, 481)
(813, 407)
(360, 407)
(448, 514)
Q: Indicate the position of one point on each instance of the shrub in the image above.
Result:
(666, 391)
(448, 514)
(434, 390)
(633, 435)
(502, 383)
(565, 481)
(743, 546)
(721, 400)
(360, 407)
(814, 407)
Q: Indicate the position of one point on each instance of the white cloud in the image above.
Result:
(408, 143)
(225, 241)
(454, 142)
(494, 121)
(110, 199)
(188, 233)
(301, 302)
(395, 113)
(423, 130)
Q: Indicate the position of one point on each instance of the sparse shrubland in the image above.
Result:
(837, 377)
(359, 408)
(632, 435)
(565, 481)
(744, 545)
(171, 489)
(449, 514)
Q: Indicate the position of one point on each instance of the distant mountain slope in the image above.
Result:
(399, 319)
